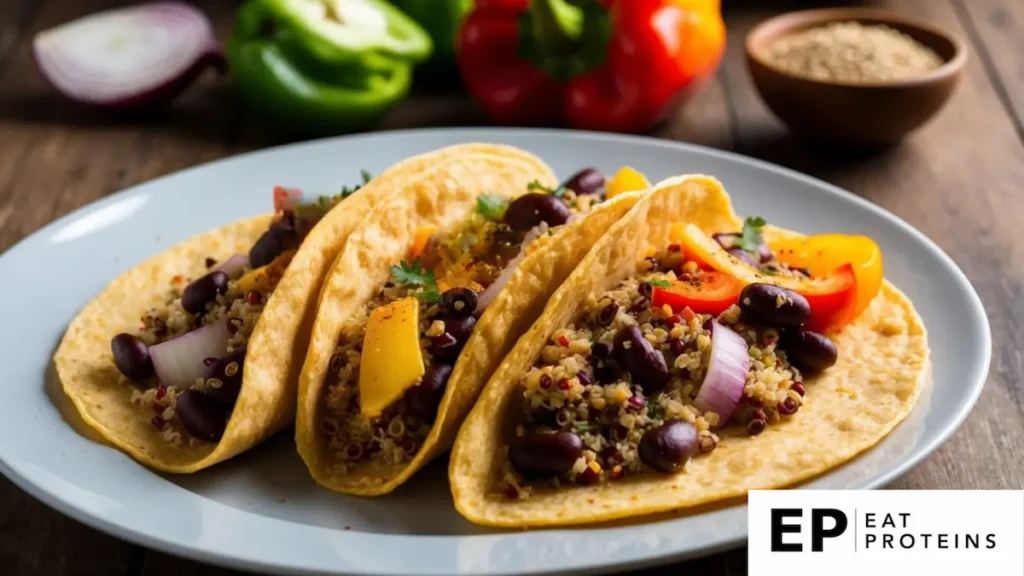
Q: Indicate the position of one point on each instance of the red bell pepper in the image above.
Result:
(615, 65)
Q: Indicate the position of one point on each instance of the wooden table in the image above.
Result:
(960, 180)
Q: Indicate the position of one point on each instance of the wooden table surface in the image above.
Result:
(960, 180)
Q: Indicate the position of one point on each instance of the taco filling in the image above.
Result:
(388, 373)
(712, 335)
(186, 360)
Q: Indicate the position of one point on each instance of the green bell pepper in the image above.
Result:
(441, 19)
(313, 67)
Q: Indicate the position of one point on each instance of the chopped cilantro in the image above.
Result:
(660, 283)
(429, 295)
(491, 206)
(366, 176)
(415, 275)
(347, 191)
(751, 237)
(655, 411)
(585, 426)
(536, 186)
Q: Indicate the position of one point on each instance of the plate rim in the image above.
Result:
(68, 507)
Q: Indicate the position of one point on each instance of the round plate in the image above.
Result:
(261, 511)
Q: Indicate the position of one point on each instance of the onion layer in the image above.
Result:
(129, 56)
(179, 361)
(234, 267)
(491, 292)
(723, 384)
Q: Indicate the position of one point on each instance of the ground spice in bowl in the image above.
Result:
(852, 52)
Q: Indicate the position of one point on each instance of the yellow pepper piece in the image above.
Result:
(627, 179)
(265, 278)
(392, 361)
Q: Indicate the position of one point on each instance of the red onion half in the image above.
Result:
(179, 361)
(723, 384)
(129, 56)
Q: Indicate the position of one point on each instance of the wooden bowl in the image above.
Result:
(878, 113)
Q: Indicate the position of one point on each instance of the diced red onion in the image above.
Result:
(179, 361)
(491, 292)
(723, 384)
(234, 267)
(286, 198)
(573, 217)
(128, 56)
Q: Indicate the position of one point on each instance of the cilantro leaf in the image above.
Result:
(367, 176)
(429, 295)
(660, 283)
(413, 274)
(751, 236)
(347, 191)
(655, 411)
(536, 186)
(491, 206)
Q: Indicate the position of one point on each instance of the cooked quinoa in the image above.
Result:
(579, 385)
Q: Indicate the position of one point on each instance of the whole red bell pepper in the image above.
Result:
(615, 65)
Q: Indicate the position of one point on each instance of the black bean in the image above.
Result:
(774, 305)
(745, 257)
(506, 243)
(457, 331)
(600, 350)
(227, 370)
(278, 238)
(809, 351)
(667, 447)
(202, 417)
(607, 314)
(609, 372)
(459, 301)
(423, 399)
(644, 363)
(203, 290)
(586, 181)
(529, 210)
(131, 356)
(545, 454)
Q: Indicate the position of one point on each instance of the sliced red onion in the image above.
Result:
(129, 56)
(573, 217)
(286, 198)
(491, 292)
(722, 388)
(178, 362)
(234, 267)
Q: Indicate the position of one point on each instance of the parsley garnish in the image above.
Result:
(347, 191)
(655, 411)
(751, 238)
(491, 206)
(660, 283)
(415, 275)
(537, 186)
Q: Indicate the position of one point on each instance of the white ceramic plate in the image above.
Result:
(262, 512)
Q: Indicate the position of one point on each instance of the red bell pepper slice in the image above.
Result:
(710, 293)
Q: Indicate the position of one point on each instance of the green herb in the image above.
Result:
(655, 411)
(660, 283)
(491, 206)
(585, 426)
(537, 186)
(347, 191)
(415, 275)
(769, 271)
(751, 237)
(429, 295)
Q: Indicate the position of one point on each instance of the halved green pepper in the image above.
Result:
(319, 67)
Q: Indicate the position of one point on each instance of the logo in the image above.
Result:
(797, 532)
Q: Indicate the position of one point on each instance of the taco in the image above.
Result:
(690, 357)
(430, 293)
(193, 356)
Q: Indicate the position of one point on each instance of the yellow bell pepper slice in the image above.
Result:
(391, 361)
(265, 278)
(627, 179)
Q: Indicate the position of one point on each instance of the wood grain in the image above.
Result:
(995, 28)
(958, 180)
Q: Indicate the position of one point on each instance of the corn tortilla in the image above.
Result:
(277, 346)
(382, 241)
(850, 407)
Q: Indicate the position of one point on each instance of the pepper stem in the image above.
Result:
(558, 25)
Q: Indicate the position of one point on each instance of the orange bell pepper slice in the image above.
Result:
(712, 293)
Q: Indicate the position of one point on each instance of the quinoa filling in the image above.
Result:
(186, 360)
(452, 275)
(634, 384)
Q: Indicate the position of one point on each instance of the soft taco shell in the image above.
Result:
(438, 200)
(849, 408)
(277, 346)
